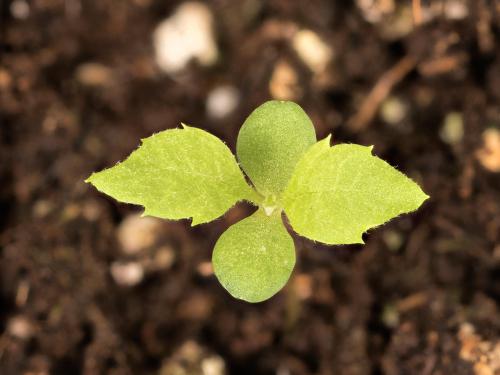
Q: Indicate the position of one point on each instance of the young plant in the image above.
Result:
(330, 194)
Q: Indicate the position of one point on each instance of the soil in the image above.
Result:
(421, 297)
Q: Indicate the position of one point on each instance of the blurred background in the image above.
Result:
(88, 287)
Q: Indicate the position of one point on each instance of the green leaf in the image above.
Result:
(254, 258)
(271, 142)
(176, 174)
(337, 193)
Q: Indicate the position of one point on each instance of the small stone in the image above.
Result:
(489, 154)
(193, 359)
(393, 110)
(390, 316)
(222, 101)
(91, 210)
(313, 51)
(484, 355)
(393, 239)
(164, 258)
(213, 365)
(127, 274)
(137, 233)
(456, 9)
(190, 351)
(284, 83)
(205, 269)
(94, 74)
(188, 34)
(302, 284)
(452, 131)
(42, 208)
(20, 9)
(20, 327)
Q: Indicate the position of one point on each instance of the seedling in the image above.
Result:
(329, 194)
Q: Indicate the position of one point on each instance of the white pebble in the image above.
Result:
(452, 130)
(284, 83)
(213, 365)
(127, 274)
(188, 34)
(20, 327)
(393, 239)
(222, 101)
(489, 153)
(313, 51)
(137, 233)
(20, 9)
(456, 9)
(393, 110)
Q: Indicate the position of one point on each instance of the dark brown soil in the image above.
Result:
(421, 297)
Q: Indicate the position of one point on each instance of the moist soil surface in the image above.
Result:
(87, 287)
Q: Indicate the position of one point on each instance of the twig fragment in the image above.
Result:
(380, 91)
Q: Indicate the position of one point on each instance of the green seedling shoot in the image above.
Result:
(330, 194)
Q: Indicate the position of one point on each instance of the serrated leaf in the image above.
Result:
(176, 174)
(271, 142)
(254, 258)
(337, 193)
